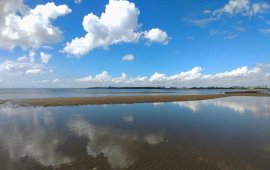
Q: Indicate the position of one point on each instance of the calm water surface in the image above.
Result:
(228, 133)
(70, 92)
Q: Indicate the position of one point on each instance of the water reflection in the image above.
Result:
(116, 146)
(28, 135)
(258, 106)
(194, 106)
(154, 138)
(139, 136)
(128, 118)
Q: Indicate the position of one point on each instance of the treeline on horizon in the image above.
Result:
(163, 87)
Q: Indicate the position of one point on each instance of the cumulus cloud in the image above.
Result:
(108, 29)
(118, 24)
(29, 28)
(243, 76)
(128, 57)
(105, 78)
(45, 58)
(194, 73)
(156, 35)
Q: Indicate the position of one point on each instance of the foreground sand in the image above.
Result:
(122, 99)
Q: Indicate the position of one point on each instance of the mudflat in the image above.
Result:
(74, 101)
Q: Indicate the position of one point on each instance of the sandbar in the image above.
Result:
(75, 101)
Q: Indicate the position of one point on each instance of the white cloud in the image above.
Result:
(104, 77)
(157, 35)
(29, 28)
(77, 1)
(234, 73)
(15, 67)
(29, 58)
(33, 71)
(118, 24)
(201, 22)
(233, 7)
(24, 65)
(45, 58)
(190, 38)
(242, 7)
(42, 81)
(157, 77)
(231, 37)
(183, 76)
(56, 81)
(242, 76)
(265, 31)
(207, 11)
(128, 57)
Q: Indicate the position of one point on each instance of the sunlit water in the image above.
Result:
(228, 133)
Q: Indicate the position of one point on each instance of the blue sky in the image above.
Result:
(172, 43)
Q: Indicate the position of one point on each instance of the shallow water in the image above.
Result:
(77, 92)
(227, 133)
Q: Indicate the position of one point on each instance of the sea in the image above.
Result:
(26, 93)
(225, 133)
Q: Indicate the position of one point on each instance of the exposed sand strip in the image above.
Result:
(122, 99)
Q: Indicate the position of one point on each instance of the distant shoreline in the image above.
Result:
(75, 101)
(182, 88)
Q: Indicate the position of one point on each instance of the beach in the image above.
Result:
(75, 101)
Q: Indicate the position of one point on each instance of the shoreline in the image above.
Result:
(75, 101)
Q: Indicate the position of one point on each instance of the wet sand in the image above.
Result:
(122, 99)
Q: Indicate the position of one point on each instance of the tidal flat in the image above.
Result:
(221, 133)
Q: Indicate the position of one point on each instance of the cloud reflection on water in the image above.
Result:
(28, 135)
(128, 118)
(154, 138)
(258, 106)
(35, 131)
(118, 146)
(115, 145)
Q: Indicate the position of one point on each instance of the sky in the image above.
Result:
(176, 43)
